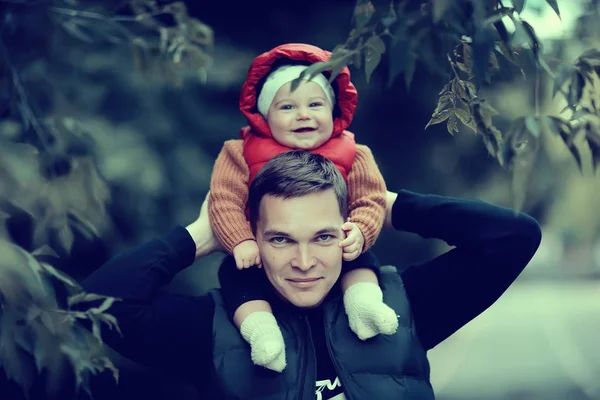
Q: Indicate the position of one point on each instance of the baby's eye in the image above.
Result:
(316, 104)
(285, 107)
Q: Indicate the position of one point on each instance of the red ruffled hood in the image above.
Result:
(347, 97)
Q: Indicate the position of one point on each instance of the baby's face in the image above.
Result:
(302, 119)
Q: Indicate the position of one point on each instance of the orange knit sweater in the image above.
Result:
(229, 194)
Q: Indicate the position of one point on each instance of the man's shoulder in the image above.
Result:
(390, 275)
(389, 269)
(215, 295)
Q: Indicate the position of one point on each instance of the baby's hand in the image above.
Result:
(246, 254)
(354, 242)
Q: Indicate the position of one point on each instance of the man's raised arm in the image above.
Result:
(164, 330)
(492, 246)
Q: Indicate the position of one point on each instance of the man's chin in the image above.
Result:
(306, 300)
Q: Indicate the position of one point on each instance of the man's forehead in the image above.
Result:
(315, 211)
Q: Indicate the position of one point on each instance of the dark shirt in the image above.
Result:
(174, 332)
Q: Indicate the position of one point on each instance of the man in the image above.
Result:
(297, 206)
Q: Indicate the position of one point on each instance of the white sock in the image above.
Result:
(261, 331)
(367, 313)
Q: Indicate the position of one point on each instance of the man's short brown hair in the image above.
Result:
(296, 173)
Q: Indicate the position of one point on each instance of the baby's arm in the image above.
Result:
(367, 205)
(366, 196)
(227, 205)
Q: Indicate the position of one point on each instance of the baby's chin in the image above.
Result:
(309, 144)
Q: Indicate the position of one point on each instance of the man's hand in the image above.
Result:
(202, 233)
(353, 244)
(390, 199)
(246, 254)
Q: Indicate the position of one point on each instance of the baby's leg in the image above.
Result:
(363, 299)
(249, 307)
(244, 294)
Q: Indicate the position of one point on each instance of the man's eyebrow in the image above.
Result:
(328, 230)
(276, 233)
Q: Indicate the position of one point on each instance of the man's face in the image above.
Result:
(298, 241)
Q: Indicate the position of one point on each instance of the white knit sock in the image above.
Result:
(260, 329)
(367, 313)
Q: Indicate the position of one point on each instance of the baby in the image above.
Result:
(313, 117)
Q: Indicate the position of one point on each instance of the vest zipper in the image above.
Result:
(334, 361)
(309, 353)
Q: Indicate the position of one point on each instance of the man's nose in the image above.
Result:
(304, 259)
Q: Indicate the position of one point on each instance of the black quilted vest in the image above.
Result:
(384, 367)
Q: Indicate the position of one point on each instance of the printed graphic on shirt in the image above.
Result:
(328, 390)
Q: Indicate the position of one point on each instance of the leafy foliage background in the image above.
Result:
(113, 113)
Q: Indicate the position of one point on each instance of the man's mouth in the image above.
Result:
(304, 283)
(304, 130)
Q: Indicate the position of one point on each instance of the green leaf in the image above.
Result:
(482, 46)
(66, 237)
(591, 54)
(452, 124)
(372, 59)
(376, 43)
(502, 32)
(374, 48)
(409, 70)
(398, 53)
(520, 35)
(509, 54)
(356, 60)
(466, 118)
(532, 125)
(563, 128)
(565, 72)
(84, 298)
(363, 11)
(554, 5)
(518, 5)
(440, 7)
(44, 250)
(594, 144)
(439, 118)
(106, 304)
(338, 60)
(459, 89)
(311, 71)
(444, 102)
(61, 276)
(576, 89)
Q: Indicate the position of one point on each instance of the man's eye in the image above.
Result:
(324, 238)
(278, 240)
